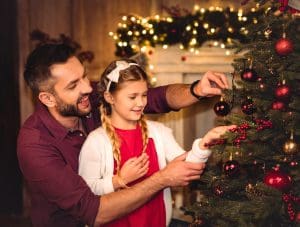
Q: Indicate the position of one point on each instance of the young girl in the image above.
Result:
(128, 149)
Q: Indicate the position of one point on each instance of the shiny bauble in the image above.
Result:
(218, 190)
(248, 106)
(222, 108)
(278, 180)
(231, 168)
(290, 147)
(249, 75)
(278, 105)
(282, 92)
(284, 47)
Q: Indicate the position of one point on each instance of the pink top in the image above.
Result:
(153, 212)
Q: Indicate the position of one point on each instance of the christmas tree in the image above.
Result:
(253, 178)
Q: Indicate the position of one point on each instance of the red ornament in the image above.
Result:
(231, 168)
(278, 105)
(283, 91)
(284, 46)
(150, 52)
(221, 108)
(183, 58)
(278, 180)
(218, 191)
(249, 75)
(248, 106)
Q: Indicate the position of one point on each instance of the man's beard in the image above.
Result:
(69, 110)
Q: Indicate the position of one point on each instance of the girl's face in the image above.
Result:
(128, 104)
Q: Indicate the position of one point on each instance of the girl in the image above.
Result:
(128, 149)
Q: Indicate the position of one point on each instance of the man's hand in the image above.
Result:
(211, 84)
(179, 172)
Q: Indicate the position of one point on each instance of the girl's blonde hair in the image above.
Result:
(132, 73)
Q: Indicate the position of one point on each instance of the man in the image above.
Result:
(50, 140)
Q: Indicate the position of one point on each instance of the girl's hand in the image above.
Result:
(214, 134)
(134, 168)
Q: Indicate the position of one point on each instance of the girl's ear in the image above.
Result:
(47, 99)
(108, 97)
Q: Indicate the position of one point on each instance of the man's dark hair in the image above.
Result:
(37, 69)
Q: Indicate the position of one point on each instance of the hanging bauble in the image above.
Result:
(278, 105)
(221, 108)
(231, 168)
(278, 180)
(284, 47)
(183, 58)
(150, 52)
(290, 146)
(249, 75)
(248, 106)
(282, 92)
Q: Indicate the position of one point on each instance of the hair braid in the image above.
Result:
(106, 123)
(143, 124)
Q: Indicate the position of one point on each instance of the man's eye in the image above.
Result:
(72, 87)
(132, 97)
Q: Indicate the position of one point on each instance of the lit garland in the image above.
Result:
(189, 30)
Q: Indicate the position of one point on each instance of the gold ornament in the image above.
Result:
(290, 146)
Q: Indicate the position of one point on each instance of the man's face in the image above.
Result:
(71, 89)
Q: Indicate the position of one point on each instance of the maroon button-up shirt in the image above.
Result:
(48, 157)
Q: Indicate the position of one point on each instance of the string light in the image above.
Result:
(147, 31)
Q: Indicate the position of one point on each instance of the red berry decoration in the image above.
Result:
(284, 46)
(248, 106)
(222, 108)
(249, 75)
(183, 58)
(278, 180)
(231, 168)
(278, 105)
(283, 92)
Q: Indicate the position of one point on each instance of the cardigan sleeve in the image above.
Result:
(93, 161)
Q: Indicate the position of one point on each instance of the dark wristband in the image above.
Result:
(192, 90)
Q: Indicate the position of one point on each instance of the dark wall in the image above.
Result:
(10, 181)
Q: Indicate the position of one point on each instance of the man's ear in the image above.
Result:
(47, 99)
(108, 97)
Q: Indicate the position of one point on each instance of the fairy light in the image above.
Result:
(192, 50)
(193, 41)
(222, 46)
(194, 32)
(143, 49)
(169, 19)
(157, 17)
(215, 43)
(124, 18)
(206, 25)
(136, 33)
(240, 13)
(255, 21)
(120, 44)
(196, 24)
(231, 9)
(196, 7)
(181, 47)
(211, 8)
(115, 37)
(165, 46)
(110, 33)
(151, 31)
(202, 10)
(253, 10)
(196, 52)
(227, 52)
(230, 29)
(124, 25)
(188, 28)
(151, 67)
(129, 33)
(144, 21)
(119, 24)
(155, 37)
(212, 30)
(133, 19)
(244, 18)
(144, 32)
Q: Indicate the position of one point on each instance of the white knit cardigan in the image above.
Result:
(96, 163)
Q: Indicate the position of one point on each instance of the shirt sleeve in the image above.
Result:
(49, 175)
(93, 162)
(157, 102)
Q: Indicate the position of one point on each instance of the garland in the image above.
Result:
(189, 30)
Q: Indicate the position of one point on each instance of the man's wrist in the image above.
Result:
(192, 87)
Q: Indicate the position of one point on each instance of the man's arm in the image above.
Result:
(176, 173)
(179, 95)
